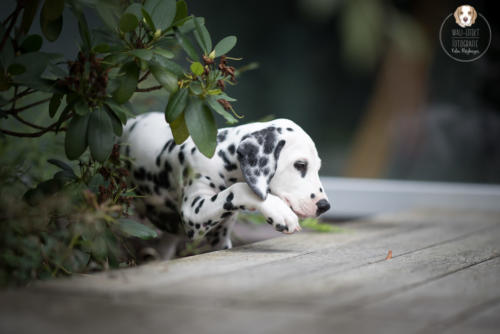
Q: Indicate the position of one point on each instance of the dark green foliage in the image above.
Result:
(74, 220)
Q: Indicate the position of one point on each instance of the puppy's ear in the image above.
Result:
(474, 15)
(457, 15)
(258, 154)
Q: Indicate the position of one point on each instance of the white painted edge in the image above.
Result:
(352, 197)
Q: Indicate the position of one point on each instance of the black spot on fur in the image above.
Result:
(199, 206)
(222, 176)
(266, 171)
(221, 136)
(197, 226)
(171, 145)
(320, 190)
(226, 214)
(193, 150)
(212, 185)
(312, 195)
(133, 127)
(279, 130)
(228, 165)
(278, 149)
(222, 188)
(256, 172)
(182, 146)
(158, 158)
(207, 177)
(233, 179)
(281, 228)
(181, 157)
(213, 198)
(252, 179)
(269, 220)
(195, 200)
(263, 161)
(190, 234)
(231, 149)
(290, 129)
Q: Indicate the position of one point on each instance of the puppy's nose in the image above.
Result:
(323, 206)
(465, 19)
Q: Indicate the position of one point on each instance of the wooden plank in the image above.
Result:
(486, 321)
(302, 283)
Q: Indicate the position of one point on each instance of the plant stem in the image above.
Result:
(149, 89)
(13, 20)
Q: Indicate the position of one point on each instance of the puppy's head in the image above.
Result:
(465, 15)
(282, 159)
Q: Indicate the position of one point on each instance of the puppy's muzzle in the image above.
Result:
(323, 206)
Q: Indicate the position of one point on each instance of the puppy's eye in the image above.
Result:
(301, 166)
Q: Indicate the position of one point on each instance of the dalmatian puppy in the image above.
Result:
(465, 16)
(271, 167)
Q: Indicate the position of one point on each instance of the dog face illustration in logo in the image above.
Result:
(465, 16)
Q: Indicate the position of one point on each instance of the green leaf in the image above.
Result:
(136, 9)
(29, 13)
(201, 125)
(51, 29)
(187, 46)
(135, 229)
(143, 54)
(101, 48)
(16, 69)
(54, 104)
(83, 29)
(128, 22)
(202, 37)
(225, 45)
(167, 79)
(162, 12)
(100, 135)
(120, 111)
(75, 141)
(127, 82)
(189, 24)
(216, 106)
(164, 53)
(170, 66)
(61, 164)
(107, 12)
(32, 43)
(64, 176)
(115, 123)
(176, 104)
(52, 9)
(197, 68)
(181, 11)
(179, 129)
(81, 107)
(149, 20)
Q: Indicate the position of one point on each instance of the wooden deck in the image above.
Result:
(444, 277)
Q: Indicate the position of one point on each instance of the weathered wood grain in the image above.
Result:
(444, 276)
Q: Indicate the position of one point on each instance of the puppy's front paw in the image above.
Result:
(279, 215)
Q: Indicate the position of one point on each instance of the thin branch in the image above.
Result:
(25, 122)
(149, 89)
(34, 104)
(144, 77)
(16, 13)
(36, 134)
(25, 92)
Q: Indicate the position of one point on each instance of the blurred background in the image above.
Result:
(367, 79)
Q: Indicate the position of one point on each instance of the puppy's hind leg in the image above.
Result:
(220, 236)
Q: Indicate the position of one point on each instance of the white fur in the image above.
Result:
(287, 195)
